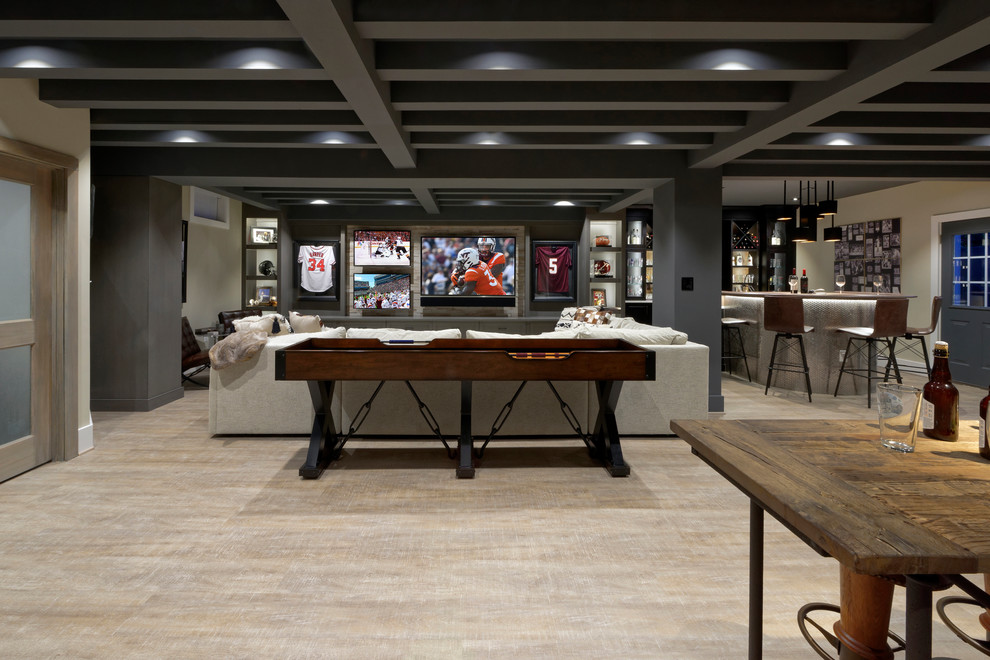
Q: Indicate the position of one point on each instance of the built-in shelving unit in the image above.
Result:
(260, 290)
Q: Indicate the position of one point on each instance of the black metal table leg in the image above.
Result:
(606, 432)
(465, 445)
(324, 442)
(918, 633)
(755, 580)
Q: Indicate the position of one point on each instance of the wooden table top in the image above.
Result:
(875, 510)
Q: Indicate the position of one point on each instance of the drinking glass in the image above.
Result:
(878, 281)
(793, 282)
(898, 407)
(840, 281)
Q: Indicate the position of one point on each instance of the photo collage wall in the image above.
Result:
(868, 250)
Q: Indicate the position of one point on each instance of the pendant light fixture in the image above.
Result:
(830, 206)
(785, 213)
(807, 214)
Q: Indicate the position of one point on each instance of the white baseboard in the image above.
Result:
(86, 436)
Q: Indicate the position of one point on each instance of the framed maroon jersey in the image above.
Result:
(553, 267)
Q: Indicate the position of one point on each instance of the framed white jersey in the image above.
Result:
(317, 275)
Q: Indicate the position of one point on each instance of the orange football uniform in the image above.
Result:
(485, 284)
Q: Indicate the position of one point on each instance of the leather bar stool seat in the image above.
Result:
(889, 321)
(785, 316)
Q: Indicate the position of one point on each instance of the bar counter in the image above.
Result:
(824, 312)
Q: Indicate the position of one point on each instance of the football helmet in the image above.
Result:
(486, 245)
(468, 258)
(267, 268)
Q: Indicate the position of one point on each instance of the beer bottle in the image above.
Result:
(940, 400)
(984, 446)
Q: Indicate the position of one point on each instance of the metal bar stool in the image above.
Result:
(918, 334)
(785, 316)
(732, 327)
(889, 321)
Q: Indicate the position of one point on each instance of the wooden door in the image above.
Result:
(966, 299)
(26, 316)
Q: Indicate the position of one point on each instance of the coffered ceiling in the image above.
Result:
(503, 108)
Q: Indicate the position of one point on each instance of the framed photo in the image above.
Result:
(263, 296)
(598, 298)
(553, 275)
(316, 271)
(262, 234)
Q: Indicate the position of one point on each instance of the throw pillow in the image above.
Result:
(595, 315)
(302, 323)
(270, 324)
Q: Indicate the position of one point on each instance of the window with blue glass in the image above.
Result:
(969, 270)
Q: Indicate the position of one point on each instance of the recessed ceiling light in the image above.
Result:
(184, 138)
(563, 202)
(259, 64)
(732, 66)
(33, 64)
(333, 141)
(839, 142)
(319, 201)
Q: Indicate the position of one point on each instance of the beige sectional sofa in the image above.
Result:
(245, 398)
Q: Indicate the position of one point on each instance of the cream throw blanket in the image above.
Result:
(238, 347)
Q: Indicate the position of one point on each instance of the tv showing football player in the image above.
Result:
(381, 248)
(381, 291)
(468, 270)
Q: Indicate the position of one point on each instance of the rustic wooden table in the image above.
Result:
(878, 512)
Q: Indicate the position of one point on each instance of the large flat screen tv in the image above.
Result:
(485, 276)
(381, 291)
(381, 247)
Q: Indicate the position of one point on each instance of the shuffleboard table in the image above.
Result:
(323, 362)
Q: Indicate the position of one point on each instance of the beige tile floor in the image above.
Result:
(166, 543)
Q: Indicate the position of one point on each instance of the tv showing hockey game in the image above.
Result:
(381, 248)
(381, 291)
(469, 271)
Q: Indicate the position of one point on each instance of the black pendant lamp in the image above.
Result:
(830, 208)
(785, 213)
(807, 229)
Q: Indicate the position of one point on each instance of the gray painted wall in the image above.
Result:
(687, 243)
(135, 341)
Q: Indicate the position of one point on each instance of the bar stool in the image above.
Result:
(732, 327)
(785, 316)
(889, 321)
(918, 334)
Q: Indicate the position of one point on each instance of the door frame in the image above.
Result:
(64, 319)
(935, 243)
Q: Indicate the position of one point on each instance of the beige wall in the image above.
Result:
(213, 270)
(914, 204)
(23, 117)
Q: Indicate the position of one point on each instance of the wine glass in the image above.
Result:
(793, 282)
(840, 281)
(878, 281)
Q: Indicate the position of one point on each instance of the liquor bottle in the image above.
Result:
(940, 400)
(804, 280)
(984, 445)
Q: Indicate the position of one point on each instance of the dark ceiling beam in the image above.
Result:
(370, 169)
(207, 120)
(557, 96)
(903, 122)
(588, 121)
(671, 19)
(627, 199)
(127, 10)
(960, 28)
(853, 171)
(608, 61)
(839, 156)
(887, 141)
(147, 29)
(427, 200)
(192, 94)
(329, 32)
(416, 214)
